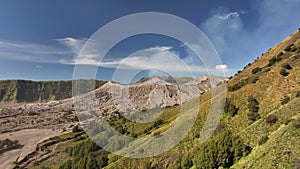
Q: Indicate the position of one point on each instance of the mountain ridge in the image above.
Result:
(37, 91)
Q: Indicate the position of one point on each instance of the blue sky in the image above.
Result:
(39, 40)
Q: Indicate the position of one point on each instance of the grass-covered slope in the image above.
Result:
(272, 134)
(31, 91)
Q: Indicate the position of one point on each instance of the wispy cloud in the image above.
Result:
(63, 52)
(221, 27)
(229, 15)
(162, 58)
(73, 44)
(235, 41)
(33, 52)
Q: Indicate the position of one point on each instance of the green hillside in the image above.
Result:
(31, 91)
(260, 126)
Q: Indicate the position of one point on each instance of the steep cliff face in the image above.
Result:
(30, 91)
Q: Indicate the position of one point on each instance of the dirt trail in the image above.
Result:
(29, 138)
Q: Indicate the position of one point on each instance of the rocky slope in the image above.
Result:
(51, 115)
(138, 97)
(152, 93)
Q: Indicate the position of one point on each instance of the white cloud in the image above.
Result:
(72, 43)
(162, 58)
(229, 15)
(160, 61)
(221, 67)
(165, 59)
(221, 27)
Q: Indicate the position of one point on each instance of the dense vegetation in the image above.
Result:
(30, 91)
(230, 108)
(225, 149)
(253, 109)
(7, 144)
(85, 154)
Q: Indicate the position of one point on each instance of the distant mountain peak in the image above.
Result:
(155, 80)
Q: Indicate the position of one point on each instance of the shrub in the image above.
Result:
(279, 55)
(253, 104)
(287, 66)
(186, 162)
(297, 123)
(271, 119)
(256, 70)
(286, 121)
(157, 133)
(254, 79)
(296, 56)
(230, 108)
(7, 144)
(158, 122)
(263, 140)
(297, 94)
(294, 49)
(288, 48)
(267, 70)
(32, 113)
(283, 72)
(285, 100)
(253, 109)
(278, 58)
(274, 59)
(237, 86)
(253, 116)
(119, 128)
(76, 129)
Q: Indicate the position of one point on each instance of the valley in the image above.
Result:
(259, 128)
